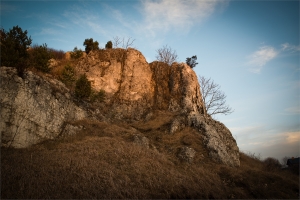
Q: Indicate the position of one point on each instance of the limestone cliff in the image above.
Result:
(33, 110)
(135, 88)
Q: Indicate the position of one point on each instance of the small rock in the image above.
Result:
(141, 140)
(186, 154)
(71, 130)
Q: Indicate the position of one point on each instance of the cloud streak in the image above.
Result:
(164, 15)
(85, 19)
(288, 47)
(265, 54)
(261, 57)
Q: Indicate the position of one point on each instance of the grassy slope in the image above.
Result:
(103, 162)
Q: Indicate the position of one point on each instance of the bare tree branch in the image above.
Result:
(125, 43)
(116, 41)
(213, 97)
(166, 55)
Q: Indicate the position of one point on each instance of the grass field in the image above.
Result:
(103, 162)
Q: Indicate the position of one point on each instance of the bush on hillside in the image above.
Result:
(98, 96)
(83, 87)
(14, 45)
(57, 54)
(68, 75)
(90, 45)
(76, 53)
(39, 57)
(271, 164)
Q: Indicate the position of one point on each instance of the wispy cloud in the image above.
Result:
(289, 47)
(265, 53)
(164, 15)
(6, 8)
(84, 18)
(260, 58)
(49, 31)
(292, 137)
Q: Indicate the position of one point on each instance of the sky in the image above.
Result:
(250, 48)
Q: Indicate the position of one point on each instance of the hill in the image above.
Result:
(149, 138)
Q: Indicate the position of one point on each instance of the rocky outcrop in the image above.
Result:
(221, 145)
(134, 87)
(33, 109)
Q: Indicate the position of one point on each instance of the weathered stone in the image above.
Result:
(70, 130)
(141, 140)
(177, 125)
(32, 109)
(217, 138)
(186, 154)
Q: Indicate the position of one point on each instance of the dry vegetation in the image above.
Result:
(102, 161)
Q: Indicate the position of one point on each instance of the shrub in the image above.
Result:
(192, 61)
(83, 87)
(271, 164)
(109, 45)
(39, 57)
(90, 45)
(68, 75)
(57, 54)
(98, 96)
(76, 53)
(14, 45)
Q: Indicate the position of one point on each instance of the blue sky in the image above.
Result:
(250, 48)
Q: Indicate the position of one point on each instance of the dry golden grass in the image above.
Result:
(103, 162)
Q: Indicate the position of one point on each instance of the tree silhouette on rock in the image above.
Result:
(90, 45)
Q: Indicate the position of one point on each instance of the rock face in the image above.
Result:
(135, 88)
(217, 138)
(33, 109)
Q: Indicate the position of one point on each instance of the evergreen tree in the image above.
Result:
(83, 87)
(14, 45)
(90, 45)
(192, 61)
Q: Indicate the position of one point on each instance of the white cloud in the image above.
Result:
(163, 15)
(260, 57)
(288, 47)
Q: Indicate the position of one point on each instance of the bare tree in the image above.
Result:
(213, 97)
(122, 41)
(166, 55)
(284, 160)
(116, 41)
